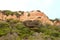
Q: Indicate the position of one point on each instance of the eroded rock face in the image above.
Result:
(35, 15)
(32, 15)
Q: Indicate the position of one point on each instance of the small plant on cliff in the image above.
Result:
(7, 12)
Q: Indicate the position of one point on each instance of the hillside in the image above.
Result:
(33, 25)
(22, 16)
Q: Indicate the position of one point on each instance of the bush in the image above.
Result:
(7, 12)
(22, 31)
(4, 28)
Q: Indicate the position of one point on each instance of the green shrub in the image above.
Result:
(4, 28)
(7, 12)
(23, 31)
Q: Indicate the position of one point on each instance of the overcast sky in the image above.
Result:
(50, 7)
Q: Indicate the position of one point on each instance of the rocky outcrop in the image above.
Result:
(32, 15)
(35, 15)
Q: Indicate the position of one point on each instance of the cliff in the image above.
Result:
(32, 15)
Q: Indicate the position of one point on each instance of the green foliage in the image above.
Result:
(17, 14)
(7, 12)
(27, 28)
(21, 12)
(23, 31)
(56, 19)
(50, 30)
(4, 28)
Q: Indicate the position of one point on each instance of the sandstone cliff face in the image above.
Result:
(4, 17)
(35, 15)
(32, 15)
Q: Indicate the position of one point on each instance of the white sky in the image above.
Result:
(47, 6)
(24, 4)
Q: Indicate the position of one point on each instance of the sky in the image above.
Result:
(50, 7)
